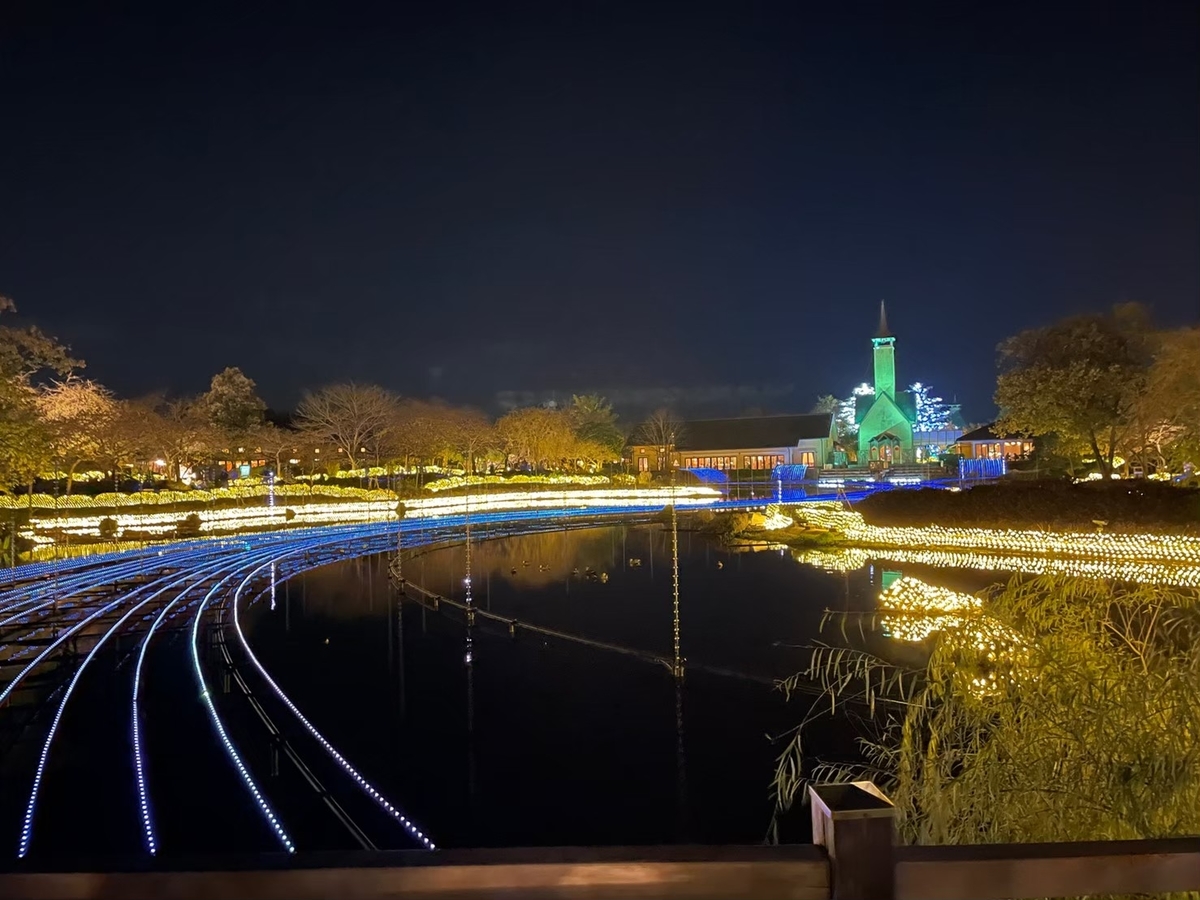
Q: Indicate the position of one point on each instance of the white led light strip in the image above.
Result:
(230, 750)
(337, 757)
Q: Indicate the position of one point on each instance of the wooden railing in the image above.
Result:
(854, 823)
(853, 856)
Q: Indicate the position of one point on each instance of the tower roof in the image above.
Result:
(884, 331)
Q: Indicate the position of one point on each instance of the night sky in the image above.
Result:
(701, 203)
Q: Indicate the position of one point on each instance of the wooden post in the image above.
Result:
(854, 823)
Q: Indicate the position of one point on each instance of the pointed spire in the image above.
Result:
(884, 331)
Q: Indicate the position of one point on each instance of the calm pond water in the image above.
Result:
(543, 741)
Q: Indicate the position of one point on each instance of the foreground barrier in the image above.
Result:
(853, 856)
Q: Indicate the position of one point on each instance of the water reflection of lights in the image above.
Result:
(911, 610)
(776, 518)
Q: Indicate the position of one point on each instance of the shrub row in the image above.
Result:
(1041, 504)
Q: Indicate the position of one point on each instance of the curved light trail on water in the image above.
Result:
(230, 750)
(366, 787)
(77, 599)
(139, 761)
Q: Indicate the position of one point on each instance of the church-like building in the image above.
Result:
(887, 418)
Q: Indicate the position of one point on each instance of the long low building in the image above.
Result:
(988, 443)
(749, 442)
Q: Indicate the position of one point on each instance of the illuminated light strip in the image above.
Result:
(16, 617)
(849, 559)
(337, 757)
(35, 570)
(380, 510)
(1079, 545)
(67, 584)
(27, 824)
(321, 537)
(30, 809)
(72, 586)
(230, 750)
(138, 757)
(68, 589)
(58, 642)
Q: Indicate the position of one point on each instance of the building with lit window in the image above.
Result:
(987, 443)
(751, 442)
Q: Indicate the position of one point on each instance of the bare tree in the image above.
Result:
(124, 439)
(472, 434)
(412, 432)
(662, 431)
(352, 417)
(75, 412)
(178, 431)
(276, 443)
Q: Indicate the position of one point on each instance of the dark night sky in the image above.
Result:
(464, 199)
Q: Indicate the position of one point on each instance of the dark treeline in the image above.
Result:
(56, 425)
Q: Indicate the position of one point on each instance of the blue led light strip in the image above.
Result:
(337, 757)
(61, 639)
(26, 837)
(230, 750)
(139, 761)
(27, 824)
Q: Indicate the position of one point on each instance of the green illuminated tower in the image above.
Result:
(885, 357)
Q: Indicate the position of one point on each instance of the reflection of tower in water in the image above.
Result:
(678, 671)
(469, 652)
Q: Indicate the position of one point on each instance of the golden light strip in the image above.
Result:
(42, 528)
(912, 610)
(1080, 545)
(849, 559)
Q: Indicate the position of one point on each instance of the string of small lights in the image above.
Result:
(230, 750)
(849, 559)
(329, 748)
(42, 530)
(912, 610)
(1083, 545)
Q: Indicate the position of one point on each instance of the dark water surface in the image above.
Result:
(538, 741)
(542, 741)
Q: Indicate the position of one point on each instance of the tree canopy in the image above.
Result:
(232, 404)
(75, 413)
(595, 422)
(1103, 386)
(26, 440)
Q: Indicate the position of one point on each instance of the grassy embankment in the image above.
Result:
(1124, 506)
